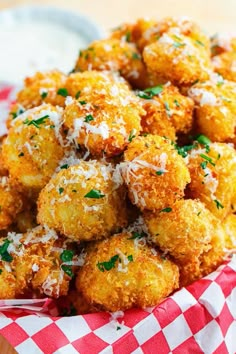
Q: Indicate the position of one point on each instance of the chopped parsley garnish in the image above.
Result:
(88, 118)
(218, 204)
(44, 94)
(203, 165)
(17, 113)
(21, 154)
(137, 235)
(178, 44)
(130, 258)
(74, 190)
(160, 173)
(183, 150)
(202, 139)
(5, 255)
(195, 82)
(136, 56)
(64, 167)
(36, 122)
(150, 92)
(127, 36)
(68, 270)
(117, 328)
(82, 102)
(198, 213)
(166, 210)
(61, 190)
(176, 103)
(77, 94)
(95, 194)
(62, 92)
(102, 266)
(131, 135)
(67, 255)
(208, 159)
(200, 43)
(167, 107)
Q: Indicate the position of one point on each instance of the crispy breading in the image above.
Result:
(120, 274)
(34, 146)
(84, 202)
(152, 171)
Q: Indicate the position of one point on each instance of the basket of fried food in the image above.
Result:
(118, 180)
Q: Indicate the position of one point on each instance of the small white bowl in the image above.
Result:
(41, 38)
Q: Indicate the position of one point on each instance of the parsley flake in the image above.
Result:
(202, 139)
(36, 122)
(200, 43)
(62, 92)
(68, 270)
(88, 118)
(77, 94)
(67, 255)
(5, 255)
(95, 194)
(218, 204)
(21, 154)
(136, 56)
(82, 102)
(160, 173)
(166, 210)
(136, 235)
(44, 94)
(130, 258)
(176, 103)
(131, 135)
(127, 36)
(208, 159)
(61, 190)
(102, 266)
(64, 167)
(150, 92)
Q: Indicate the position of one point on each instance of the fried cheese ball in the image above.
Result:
(11, 203)
(229, 225)
(35, 261)
(152, 171)
(146, 31)
(34, 146)
(3, 170)
(213, 178)
(16, 109)
(225, 65)
(84, 202)
(167, 110)
(114, 55)
(187, 231)
(177, 58)
(104, 119)
(48, 87)
(74, 304)
(120, 273)
(215, 104)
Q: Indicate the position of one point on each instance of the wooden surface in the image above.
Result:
(5, 347)
(213, 15)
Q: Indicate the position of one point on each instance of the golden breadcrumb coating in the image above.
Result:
(42, 87)
(104, 119)
(152, 171)
(84, 202)
(215, 107)
(34, 146)
(166, 110)
(11, 203)
(146, 31)
(36, 260)
(74, 304)
(114, 55)
(213, 177)
(229, 225)
(120, 273)
(191, 235)
(177, 58)
(225, 65)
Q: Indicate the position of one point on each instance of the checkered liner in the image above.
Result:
(198, 319)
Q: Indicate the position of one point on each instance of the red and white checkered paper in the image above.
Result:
(198, 319)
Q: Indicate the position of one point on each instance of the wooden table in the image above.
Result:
(213, 15)
(5, 347)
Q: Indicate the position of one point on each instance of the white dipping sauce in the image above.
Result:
(30, 46)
